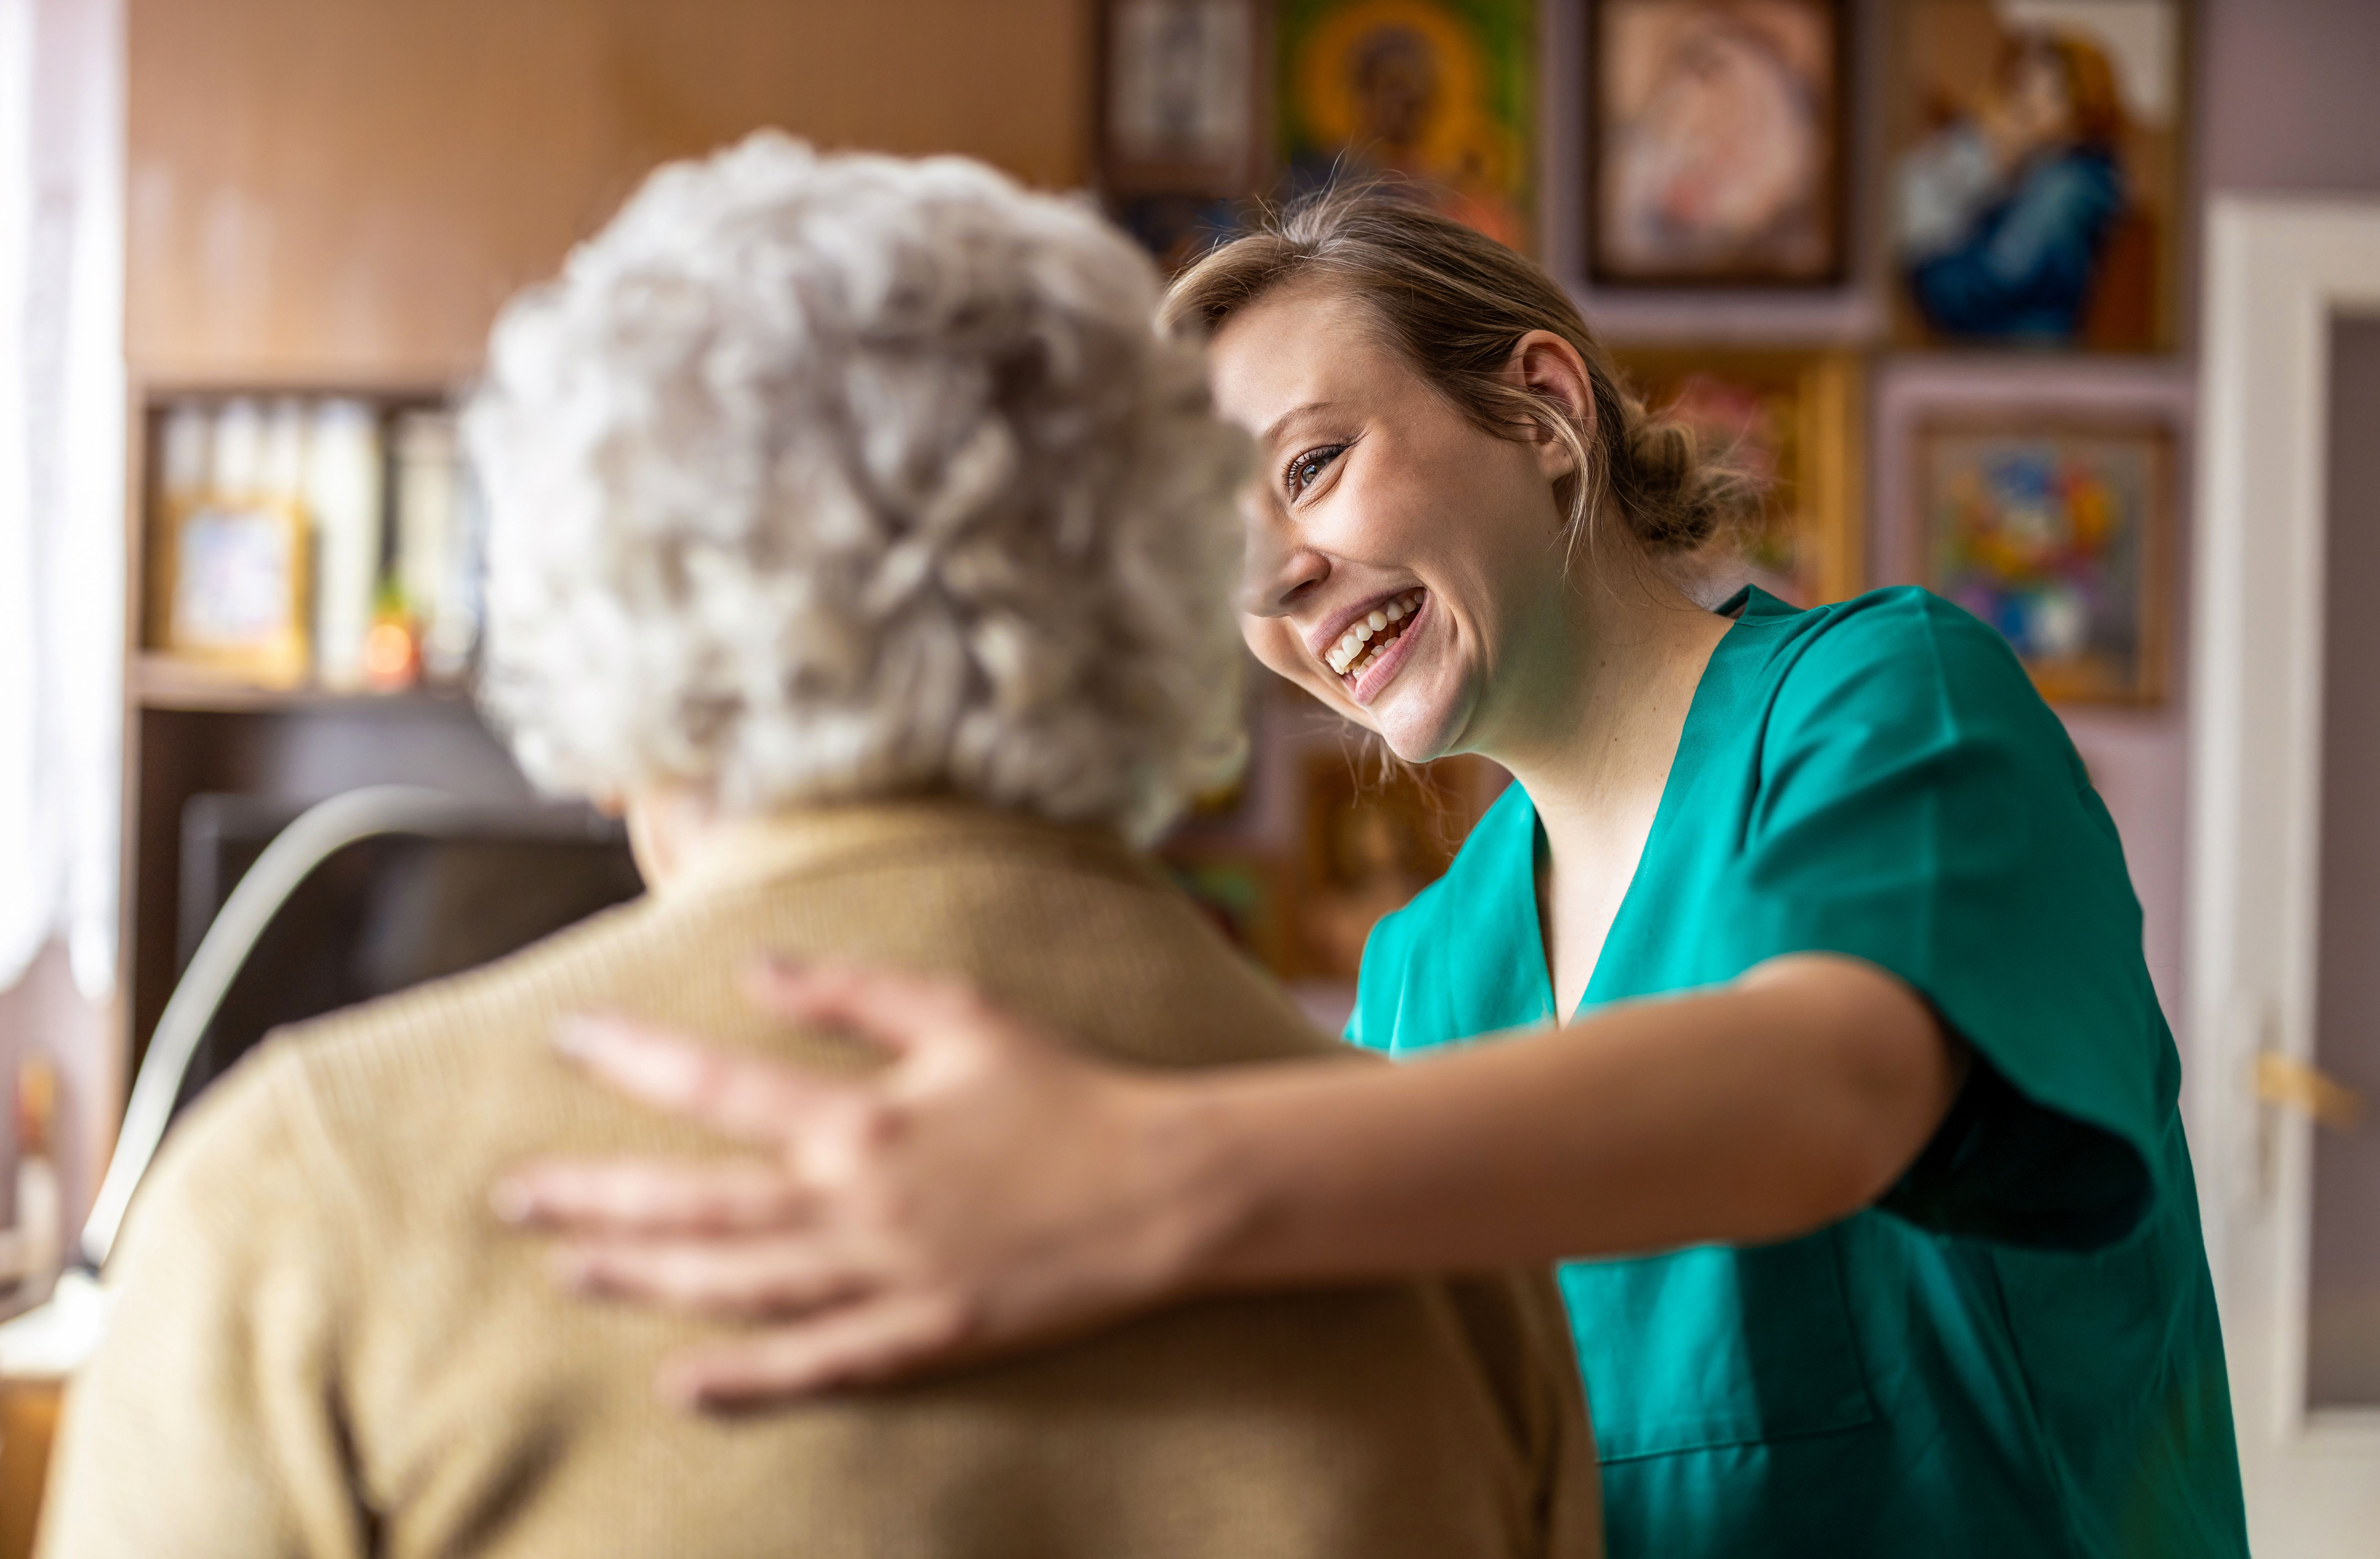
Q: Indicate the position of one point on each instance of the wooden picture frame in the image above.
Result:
(1755, 195)
(234, 589)
(1796, 417)
(2048, 228)
(2057, 528)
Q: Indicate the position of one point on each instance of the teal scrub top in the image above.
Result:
(2015, 1351)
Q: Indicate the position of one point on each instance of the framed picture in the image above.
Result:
(1182, 103)
(2035, 152)
(1371, 841)
(1438, 93)
(1184, 117)
(2059, 531)
(1793, 418)
(234, 593)
(1716, 143)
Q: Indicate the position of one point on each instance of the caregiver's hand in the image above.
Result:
(859, 1239)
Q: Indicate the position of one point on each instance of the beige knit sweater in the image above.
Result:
(326, 1347)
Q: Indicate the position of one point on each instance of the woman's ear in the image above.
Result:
(1549, 366)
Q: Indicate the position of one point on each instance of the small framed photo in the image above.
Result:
(1793, 419)
(2035, 150)
(1438, 94)
(235, 588)
(1716, 142)
(2058, 530)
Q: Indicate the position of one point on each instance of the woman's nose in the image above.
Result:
(1278, 571)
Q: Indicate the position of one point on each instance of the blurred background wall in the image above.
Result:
(345, 188)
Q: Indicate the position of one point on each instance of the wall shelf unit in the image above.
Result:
(197, 725)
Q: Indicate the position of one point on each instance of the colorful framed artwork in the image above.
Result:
(1440, 94)
(1793, 419)
(1716, 142)
(2059, 533)
(2036, 172)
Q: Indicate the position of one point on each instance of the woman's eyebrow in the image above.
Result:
(1274, 430)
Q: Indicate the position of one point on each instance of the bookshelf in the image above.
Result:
(196, 725)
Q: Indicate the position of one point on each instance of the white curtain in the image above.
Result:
(62, 458)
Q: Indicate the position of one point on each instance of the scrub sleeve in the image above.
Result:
(2016, 1351)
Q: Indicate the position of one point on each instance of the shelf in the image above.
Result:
(162, 682)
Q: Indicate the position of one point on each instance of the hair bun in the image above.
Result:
(1677, 493)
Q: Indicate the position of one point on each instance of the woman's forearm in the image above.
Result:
(1749, 1113)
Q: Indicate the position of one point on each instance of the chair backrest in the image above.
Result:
(357, 897)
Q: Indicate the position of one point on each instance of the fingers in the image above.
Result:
(756, 1100)
(742, 1280)
(899, 1011)
(867, 1343)
(649, 1198)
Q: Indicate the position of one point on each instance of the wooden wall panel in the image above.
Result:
(345, 190)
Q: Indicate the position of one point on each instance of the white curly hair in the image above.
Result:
(818, 478)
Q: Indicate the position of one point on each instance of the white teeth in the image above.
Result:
(1355, 650)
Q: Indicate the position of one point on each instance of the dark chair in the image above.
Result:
(357, 897)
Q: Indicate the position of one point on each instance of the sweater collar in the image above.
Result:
(741, 852)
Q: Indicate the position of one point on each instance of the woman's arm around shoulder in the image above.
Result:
(992, 1190)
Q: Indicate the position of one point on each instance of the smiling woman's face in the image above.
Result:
(1404, 566)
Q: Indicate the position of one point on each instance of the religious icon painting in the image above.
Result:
(2035, 150)
(1791, 421)
(1716, 146)
(2059, 534)
(1436, 94)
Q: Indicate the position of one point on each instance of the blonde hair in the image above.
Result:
(1453, 303)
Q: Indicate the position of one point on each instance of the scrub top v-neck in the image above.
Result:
(2016, 1351)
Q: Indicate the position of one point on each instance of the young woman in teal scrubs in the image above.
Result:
(1826, 1061)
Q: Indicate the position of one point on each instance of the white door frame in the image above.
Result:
(2278, 273)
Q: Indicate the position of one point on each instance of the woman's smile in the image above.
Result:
(1364, 646)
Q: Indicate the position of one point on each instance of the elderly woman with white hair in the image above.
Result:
(851, 529)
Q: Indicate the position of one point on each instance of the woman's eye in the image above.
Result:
(1308, 468)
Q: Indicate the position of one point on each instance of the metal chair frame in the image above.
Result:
(318, 833)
